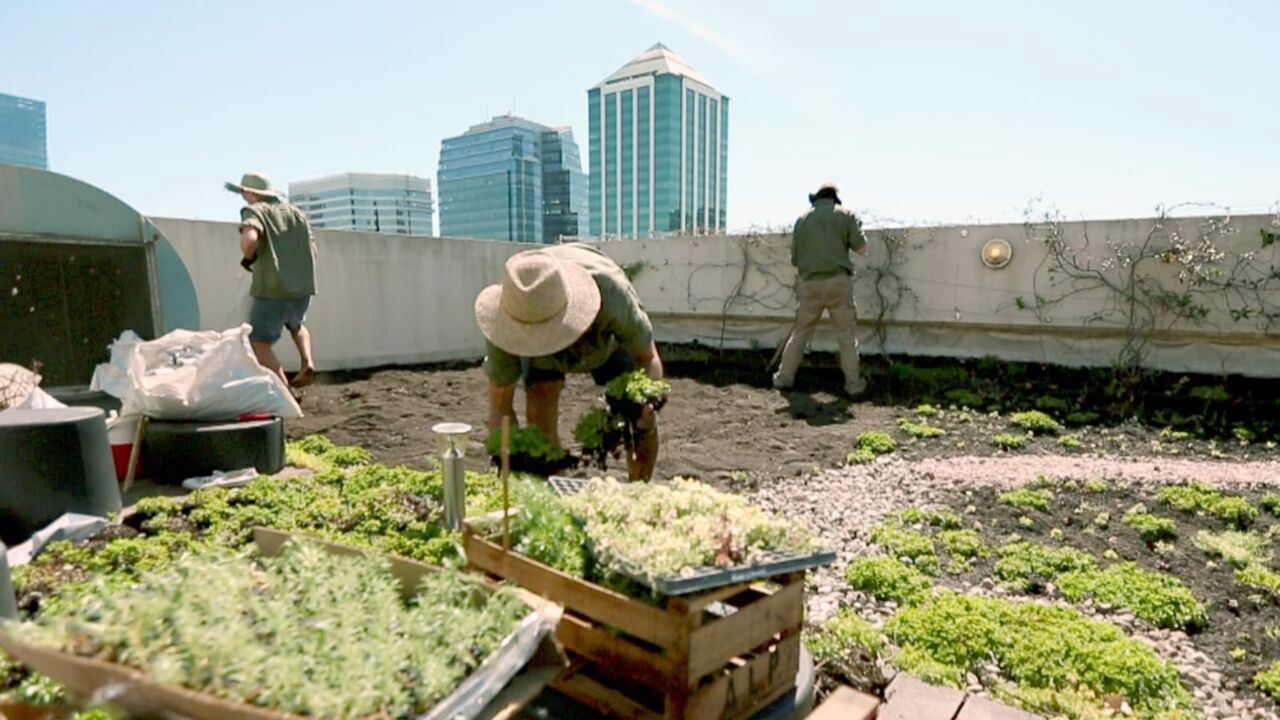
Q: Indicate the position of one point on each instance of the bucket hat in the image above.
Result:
(826, 190)
(542, 305)
(256, 183)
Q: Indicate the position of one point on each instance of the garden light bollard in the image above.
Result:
(8, 601)
(451, 439)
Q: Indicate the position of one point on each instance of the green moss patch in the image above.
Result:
(1239, 549)
(887, 579)
(843, 636)
(1259, 577)
(1152, 528)
(919, 430)
(1036, 421)
(1268, 681)
(1162, 600)
(903, 543)
(1198, 497)
(1027, 499)
(870, 445)
(1028, 566)
(1008, 441)
(1037, 647)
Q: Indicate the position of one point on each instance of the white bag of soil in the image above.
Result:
(209, 375)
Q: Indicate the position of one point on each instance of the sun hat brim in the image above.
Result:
(237, 188)
(551, 335)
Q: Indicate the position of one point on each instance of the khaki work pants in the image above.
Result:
(835, 295)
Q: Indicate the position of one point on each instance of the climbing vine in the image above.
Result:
(1177, 271)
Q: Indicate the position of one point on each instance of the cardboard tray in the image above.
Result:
(504, 683)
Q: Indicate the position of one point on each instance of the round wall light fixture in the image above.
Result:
(996, 253)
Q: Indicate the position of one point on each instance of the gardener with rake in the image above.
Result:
(820, 248)
(565, 309)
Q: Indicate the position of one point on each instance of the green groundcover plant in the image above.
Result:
(1162, 600)
(1039, 647)
(1198, 497)
(308, 632)
(648, 530)
(1027, 499)
(885, 578)
(1028, 566)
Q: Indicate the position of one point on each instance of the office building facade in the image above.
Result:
(23, 132)
(512, 179)
(369, 202)
(658, 136)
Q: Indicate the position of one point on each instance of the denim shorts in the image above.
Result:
(270, 316)
(618, 363)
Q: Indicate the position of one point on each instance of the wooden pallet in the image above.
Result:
(685, 659)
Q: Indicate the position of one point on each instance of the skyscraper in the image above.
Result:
(22, 132)
(658, 135)
(390, 204)
(511, 179)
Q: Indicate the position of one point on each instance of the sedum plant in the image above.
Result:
(308, 632)
(1036, 421)
(1041, 648)
(612, 531)
(885, 578)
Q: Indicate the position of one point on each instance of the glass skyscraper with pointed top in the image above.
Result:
(659, 150)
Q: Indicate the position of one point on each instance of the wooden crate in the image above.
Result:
(682, 660)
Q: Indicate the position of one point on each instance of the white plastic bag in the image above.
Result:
(112, 377)
(208, 375)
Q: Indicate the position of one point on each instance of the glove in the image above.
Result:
(247, 263)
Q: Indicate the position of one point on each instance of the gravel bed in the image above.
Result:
(845, 503)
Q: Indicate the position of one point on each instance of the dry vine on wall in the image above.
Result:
(1177, 272)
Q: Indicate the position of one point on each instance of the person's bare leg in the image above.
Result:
(267, 358)
(644, 459)
(542, 408)
(302, 341)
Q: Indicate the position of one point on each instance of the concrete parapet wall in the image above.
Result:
(388, 299)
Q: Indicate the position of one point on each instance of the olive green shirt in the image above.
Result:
(620, 324)
(286, 264)
(823, 238)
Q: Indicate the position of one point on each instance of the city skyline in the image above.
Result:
(510, 178)
(23, 134)
(393, 204)
(658, 134)
(923, 112)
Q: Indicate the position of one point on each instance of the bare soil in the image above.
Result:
(724, 423)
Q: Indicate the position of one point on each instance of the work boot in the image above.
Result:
(855, 388)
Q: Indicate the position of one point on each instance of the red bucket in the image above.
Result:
(120, 433)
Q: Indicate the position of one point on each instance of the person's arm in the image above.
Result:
(857, 239)
(503, 371)
(649, 361)
(795, 233)
(249, 241)
(502, 404)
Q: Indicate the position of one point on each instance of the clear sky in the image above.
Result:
(922, 111)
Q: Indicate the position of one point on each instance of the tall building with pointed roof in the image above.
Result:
(659, 150)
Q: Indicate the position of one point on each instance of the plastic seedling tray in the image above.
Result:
(710, 577)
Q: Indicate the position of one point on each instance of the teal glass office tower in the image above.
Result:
(22, 132)
(511, 179)
(658, 135)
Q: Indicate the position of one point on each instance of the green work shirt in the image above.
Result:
(286, 264)
(823, 238)
(620, 324)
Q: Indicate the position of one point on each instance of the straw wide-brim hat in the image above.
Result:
(542, 305)
(256, 183)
